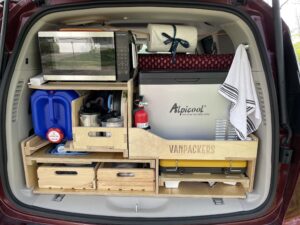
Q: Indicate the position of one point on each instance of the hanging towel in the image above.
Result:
(239, 88)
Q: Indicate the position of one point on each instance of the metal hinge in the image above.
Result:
(285, 155)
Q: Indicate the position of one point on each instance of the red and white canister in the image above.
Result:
(55, 135)
(141, 119)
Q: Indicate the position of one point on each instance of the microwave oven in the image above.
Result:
(86, 56)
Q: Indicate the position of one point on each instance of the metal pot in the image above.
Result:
(89, 119)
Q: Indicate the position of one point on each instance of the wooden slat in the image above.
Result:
(32, 144)
(251, 173)
(203, 190)
(188, 190)
(126, 186)
(86, 86)
(205, 177)
(93, 192)
(194, 190)
(156, 176)
(130, 103)
(69, 146)
(140, 175)
(75, 105)
(29, 168)
(42, 156)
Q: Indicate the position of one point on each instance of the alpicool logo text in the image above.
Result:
(188, 110)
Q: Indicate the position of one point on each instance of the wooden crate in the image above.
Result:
(125, 179)
(116, 141)
(67, 177)
(93, 138)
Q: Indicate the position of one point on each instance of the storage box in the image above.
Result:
(67, 177)
(125, 179)
(97, 139)
(143, 144)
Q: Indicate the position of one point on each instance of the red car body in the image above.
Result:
(262, 15)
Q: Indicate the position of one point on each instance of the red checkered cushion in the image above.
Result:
(159, 62)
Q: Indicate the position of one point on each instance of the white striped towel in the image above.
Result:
(239, 88)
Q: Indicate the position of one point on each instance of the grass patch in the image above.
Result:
(297, 50)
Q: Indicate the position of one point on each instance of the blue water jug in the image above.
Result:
(51, 114)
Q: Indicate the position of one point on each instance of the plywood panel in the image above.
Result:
(42, 156)
(93, 192)
(203, 190)
(126, 174)
(86, 86)
(126, 186)
(239, 178)
(32, 144)
(142, 143)
(76, 104)
(66, 177)
(84, 140)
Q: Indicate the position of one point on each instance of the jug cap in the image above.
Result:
(55, 135)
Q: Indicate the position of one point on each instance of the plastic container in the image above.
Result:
(51, 111)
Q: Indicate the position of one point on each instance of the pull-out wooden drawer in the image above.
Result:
(127, 179)
(67, 177)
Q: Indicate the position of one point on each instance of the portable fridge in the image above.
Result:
(186, 105)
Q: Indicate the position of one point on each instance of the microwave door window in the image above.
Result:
(78, 56)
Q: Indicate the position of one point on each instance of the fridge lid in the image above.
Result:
(161, 78)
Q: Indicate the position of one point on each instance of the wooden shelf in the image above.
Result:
(92, 192)
(196, 189)
(42, 156)
(204, 177)
(86, 86)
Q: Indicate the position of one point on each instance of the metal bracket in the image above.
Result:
(137, 207)
(175, 169)
(218, 201)
(58, 198)
(286, 155)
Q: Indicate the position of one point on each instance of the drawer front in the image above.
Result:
(66, 177)
(125, 174)
(125, 186)
(86, 137)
